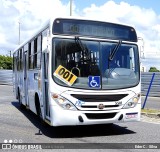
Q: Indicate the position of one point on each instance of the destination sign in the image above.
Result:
(94, 29)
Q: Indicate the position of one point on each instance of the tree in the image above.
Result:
(153, 69)
(5, 62)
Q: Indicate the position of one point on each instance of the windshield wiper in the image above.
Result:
(114, 51)
(78, 41)
(83, 48)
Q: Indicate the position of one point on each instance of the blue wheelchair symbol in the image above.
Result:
(94, 81)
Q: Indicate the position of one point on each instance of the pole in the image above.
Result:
(148, 90)
(19, 33)
(70, 7)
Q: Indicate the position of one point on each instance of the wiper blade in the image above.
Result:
(84, 49)
(78, 41)
(114, 51)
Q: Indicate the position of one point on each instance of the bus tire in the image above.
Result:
(21, 106)
(38, 107)
(38, 110)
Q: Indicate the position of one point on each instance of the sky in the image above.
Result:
(29, 15)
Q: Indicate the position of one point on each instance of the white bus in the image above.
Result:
(79, 72)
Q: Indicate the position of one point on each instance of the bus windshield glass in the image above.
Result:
(89, 61)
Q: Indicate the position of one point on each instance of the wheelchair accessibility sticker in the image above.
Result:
(94, 81)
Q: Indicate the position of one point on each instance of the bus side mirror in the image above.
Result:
(45, 45)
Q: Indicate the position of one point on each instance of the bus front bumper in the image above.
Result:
(60, 117)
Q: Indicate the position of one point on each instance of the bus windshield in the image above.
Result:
(89, 61)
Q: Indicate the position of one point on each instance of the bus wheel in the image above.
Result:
(38, 108)
(20, 101)
(39, 112)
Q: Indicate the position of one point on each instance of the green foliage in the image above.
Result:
(153, 69)
(5, 62)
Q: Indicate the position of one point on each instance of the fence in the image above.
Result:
(145, 82)
(6, 77)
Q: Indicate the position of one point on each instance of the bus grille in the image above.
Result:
(100, 115)
(99, 98)
(99, 102)
(106, 106)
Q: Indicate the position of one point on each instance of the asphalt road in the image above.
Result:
(22, 126)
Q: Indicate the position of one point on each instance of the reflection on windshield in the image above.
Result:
(88, 60)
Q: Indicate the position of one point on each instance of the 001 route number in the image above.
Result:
(65, 75)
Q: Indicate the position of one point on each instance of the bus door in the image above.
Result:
(25, 78)
(45, 62)
(45, 58)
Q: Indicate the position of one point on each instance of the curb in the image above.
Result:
(151, 115)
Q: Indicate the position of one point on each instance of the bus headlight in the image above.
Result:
(63, 102)
(132, 102)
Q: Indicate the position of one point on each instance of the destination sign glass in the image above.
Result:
(94, 29)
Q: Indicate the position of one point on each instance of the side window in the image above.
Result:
(25, 56)
(32, 54)
(13, 66)
(29, 56)
(20, 59)
(15, 62)
(35, 53)
(39, 50)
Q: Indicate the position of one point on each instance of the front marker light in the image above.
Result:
(63, 102)
(135, 99)
(68, 106)
(54, 95)
(132, 102)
